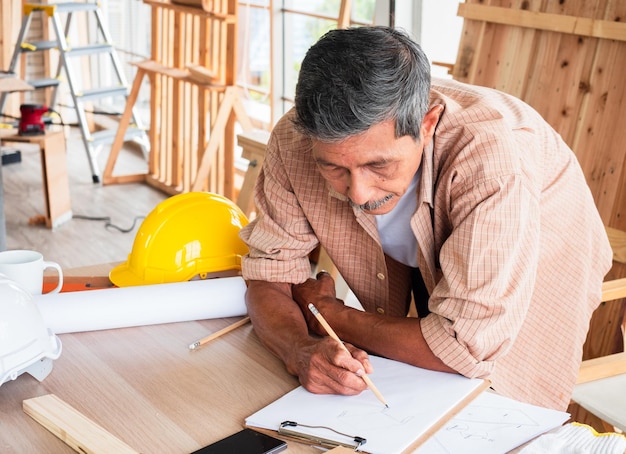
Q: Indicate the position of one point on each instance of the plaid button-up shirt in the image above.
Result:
(510, 244)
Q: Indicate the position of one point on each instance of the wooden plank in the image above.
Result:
(200, 74)
(204, 96)
(617, 238)
(508, 56)
(71, 426)
(55, 179)
(230, 49)
(6, 33)
(493, 55)
(614, 289)
(559, 72)
(470, 47)
(345, 10)
(604, 367)
(118, 141)
(253, 145)
(581, 26)
(599, 143)
(11, 84)
(185, 9)
(221, 118)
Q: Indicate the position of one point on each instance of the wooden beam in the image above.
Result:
(71, 426)
(614, 289)
(582, 26)
(231, 103)
(344, 14)
(603, 367)
(617, 238)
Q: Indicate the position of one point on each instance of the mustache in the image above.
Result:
(371, 205)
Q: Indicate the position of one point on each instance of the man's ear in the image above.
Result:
(430, 122)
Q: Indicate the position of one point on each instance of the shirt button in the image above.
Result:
(380, 310)
(380, 276)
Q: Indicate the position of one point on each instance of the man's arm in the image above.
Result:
(320, 363)
(398, 338)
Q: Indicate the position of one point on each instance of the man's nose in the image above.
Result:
(358, 189)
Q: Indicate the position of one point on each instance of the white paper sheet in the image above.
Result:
(417, 398)
(92, 310)
(493, 424)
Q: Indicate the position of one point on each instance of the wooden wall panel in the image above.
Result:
(573, 80)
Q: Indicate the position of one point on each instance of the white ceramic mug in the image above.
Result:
(26, 268)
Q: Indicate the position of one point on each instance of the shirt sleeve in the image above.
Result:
(489, 266)
(280, 237)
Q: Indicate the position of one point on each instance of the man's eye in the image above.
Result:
(336, 170)
(384, 168)
(327, 166)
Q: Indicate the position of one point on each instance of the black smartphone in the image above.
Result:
(246, 441)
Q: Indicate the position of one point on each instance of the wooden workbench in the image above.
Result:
(146, 388)
(55, 180)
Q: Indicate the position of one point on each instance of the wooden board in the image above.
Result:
(71, 426)
(11, 84)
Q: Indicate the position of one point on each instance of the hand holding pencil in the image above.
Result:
(332, 334)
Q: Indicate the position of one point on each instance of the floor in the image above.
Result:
(86, 238)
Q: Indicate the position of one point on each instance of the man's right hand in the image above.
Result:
(324, 367)
(320, 363)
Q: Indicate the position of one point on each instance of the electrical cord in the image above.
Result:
(107, 222)
(92, 111)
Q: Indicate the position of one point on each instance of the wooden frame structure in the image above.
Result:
(192, 133)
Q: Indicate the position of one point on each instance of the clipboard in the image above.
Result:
(289, 429)
(420, 401)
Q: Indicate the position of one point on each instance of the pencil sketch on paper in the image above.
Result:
(489, 423)
(417, 398)
(492, 424)
(374, 419)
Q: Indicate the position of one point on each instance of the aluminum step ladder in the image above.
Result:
(92, 141)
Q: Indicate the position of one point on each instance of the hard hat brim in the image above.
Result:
(123, 276)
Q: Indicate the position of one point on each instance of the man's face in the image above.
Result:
(373, 169)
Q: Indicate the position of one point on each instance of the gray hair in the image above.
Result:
(355, 78)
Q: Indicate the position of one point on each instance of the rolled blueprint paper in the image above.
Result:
(92, 310)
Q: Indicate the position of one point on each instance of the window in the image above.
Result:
(273, 39)
(274, 35)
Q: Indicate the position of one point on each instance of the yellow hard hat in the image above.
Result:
(186, 235)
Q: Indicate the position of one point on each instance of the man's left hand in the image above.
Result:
(321, 292)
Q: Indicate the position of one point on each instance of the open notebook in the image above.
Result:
(420, 402)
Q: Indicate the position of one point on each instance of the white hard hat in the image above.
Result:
(26, 345)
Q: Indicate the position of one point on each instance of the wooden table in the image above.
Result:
(56, 188)
(144, 386)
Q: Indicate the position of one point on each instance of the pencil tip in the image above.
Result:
(386, 405)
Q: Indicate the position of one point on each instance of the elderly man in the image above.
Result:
(460, 198)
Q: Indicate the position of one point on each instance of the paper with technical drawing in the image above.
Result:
(419, 400)
(492, 424)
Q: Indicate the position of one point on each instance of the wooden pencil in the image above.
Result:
(209, 338)
(332, 334)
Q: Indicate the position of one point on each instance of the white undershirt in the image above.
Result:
(394, 228)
